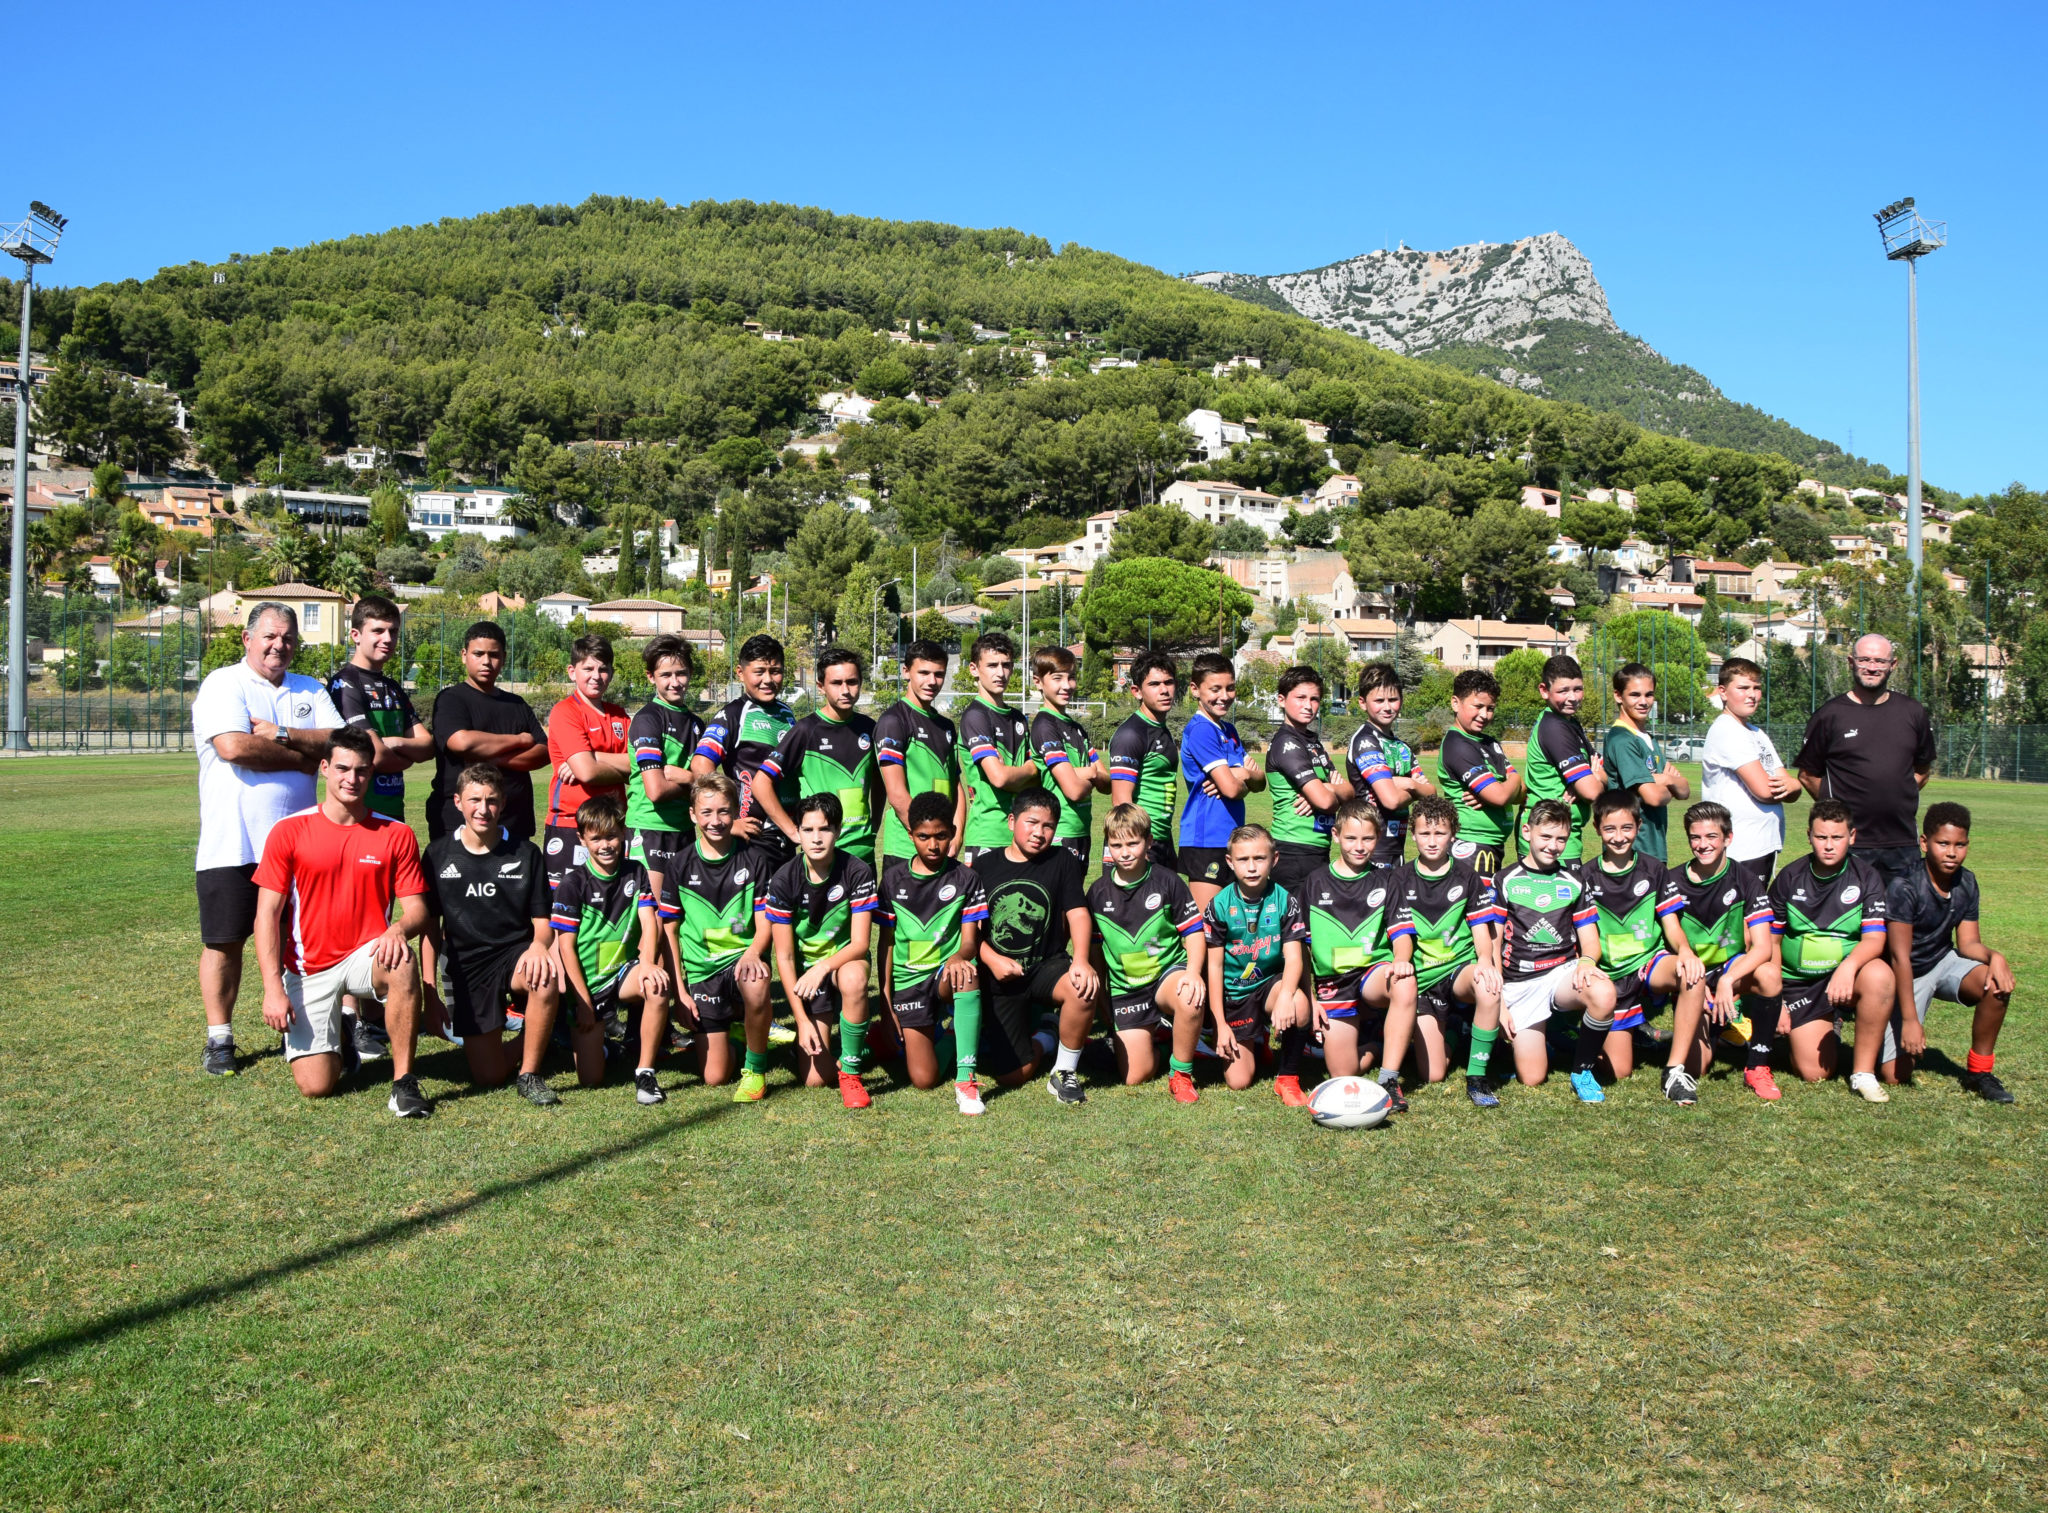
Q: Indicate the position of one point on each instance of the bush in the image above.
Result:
(402, 564)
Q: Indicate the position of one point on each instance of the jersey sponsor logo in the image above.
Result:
(451, 870)
(480, 890)
(741, 875)
(508, 868)
(1642, 886)
(1850, 733)
(1542, 934)
(947, 892)
(554, 845)
(1455, 893)
(1850, 895)
(1375, 898)
(304, 711)
(1728, 897)
(861, 742)
(370, 859)
(835, 893)
(1152, 901)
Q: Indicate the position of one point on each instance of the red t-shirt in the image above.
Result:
(340, 880)
(576, 726)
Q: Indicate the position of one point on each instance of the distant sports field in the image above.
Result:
(219, 1295)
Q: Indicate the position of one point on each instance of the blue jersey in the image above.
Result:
(1205, 744)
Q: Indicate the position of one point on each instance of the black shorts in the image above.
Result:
(227, 904)
(718, 1001)
(1010, 1015)
(1136, 1009)
(1080, 845)
(1485, 860)
(1807, 1002)
(1163, 853)
(479, 983)
(1891, 862)
(561, 848)
(659, 850)
(1634, 1000)
(1206, 864)
(824, 1006)
(917, 1008)
(1343, 997)
(1440, 1001)
(1293, 862)
(1755, 874)
(1249, 1017)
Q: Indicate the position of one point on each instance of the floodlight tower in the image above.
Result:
(1908, 238)
(33, 241)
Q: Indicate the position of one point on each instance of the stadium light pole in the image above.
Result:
(33, 241)
(1907, 238)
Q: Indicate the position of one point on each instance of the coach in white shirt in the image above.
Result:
(260, 730)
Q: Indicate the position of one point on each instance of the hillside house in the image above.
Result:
(1214, 436)
(1324, 580)
(1858, 550)
(1337, 490)
(1673, 600)
(1459, 644)
(1625, 498)
(1771, 583)
(640, 617)
(1214, 502)
(1542, 501)
(1263, 577)
(1367, 637)
(465, 510)
(562, 608)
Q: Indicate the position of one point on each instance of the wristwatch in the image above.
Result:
(282, 736)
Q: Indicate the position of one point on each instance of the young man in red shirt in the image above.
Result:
(586, 748)
(337, 868)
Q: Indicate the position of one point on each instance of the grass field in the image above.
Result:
(218, 1295)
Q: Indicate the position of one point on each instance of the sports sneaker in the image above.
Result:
(1735, 1032)
(1680, 1087)
(372, 1044)
(1987, 1087)
(680, 1040)
(1480, 1091)
(1066, 1087)
(1289, 1091)
(1762, 1083)
(645, 1088)
(535, 1090)
(1182, 1086)
(1395, 1096)
(968, 1096)
(406, 1101)
(781, 1034)
(752, 1089)
(1587, 1086)
(852, 1091)
(1866, 1086)
(219, 1059)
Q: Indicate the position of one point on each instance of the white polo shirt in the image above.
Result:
(1759, 827)
(238, 805)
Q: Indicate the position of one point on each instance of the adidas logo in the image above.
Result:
(451, 870)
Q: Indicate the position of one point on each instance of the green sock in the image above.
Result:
(853, 1045)
(1482, 1051)
(757, 1061)
(966, 1033)
(1181, 1066)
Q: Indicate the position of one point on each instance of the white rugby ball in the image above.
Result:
(1349, 1103)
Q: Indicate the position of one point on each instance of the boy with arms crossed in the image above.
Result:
(1446, 927)
(1144, 756)
(719, 940)
(820, 910)
(1931, 923)
(1740, 771)
(1472, 768)
(1255, 933)
(1073, 767)
(1366, 1009)
(1148, 935)
(1828, 912)
(739, 737)
(831, 750)
(587, 745)
(999, 751)
(1643, 945)
(916, 751)
(610, 947)
(1550, 953)
(1218, 775)
(662, 739)
(1379, 764)
(932, 913)
(1636, 761)
(1727, 921)
(1306, 786)
(1560, 762)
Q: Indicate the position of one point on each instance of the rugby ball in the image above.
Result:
(1349, 1103)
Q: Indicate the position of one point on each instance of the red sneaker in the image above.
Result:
(1762, 1083)
(1289, 1089)
(1182, 1086)
(852, 1091)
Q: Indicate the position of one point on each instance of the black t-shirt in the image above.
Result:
(1865, 755)
(463, 706)
(486, 903)
(1914, 900)
(1028, 903)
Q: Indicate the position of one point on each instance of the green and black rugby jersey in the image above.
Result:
(1347, 919)
(1058, 739)
(1541, 913)
(661, 735)
(1821, 920)
(1559, 755)
(819, 912)
(604, 911)
(1294, 757)
(736, 740)
(1375, 754)
(824, 755)
(714, 900)
(1633, 905)
(1253, 935)
(1440, 910)
(923, 744)
(1466, 766)
(989, 729)
(1719, 912)
(923, 913)
(1144, 752)
(370, 701)
(1143, 926)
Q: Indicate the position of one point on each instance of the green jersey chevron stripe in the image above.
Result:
(1628, 940)
(852, 787)
(1337, 951)
(1443, 946)
(1717, 940)
(1139, 959)
(921, 946)
(1812, 949)
(714, 938)
(833, 932)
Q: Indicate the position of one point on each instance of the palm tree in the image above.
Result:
(131, 553)
(347, 575)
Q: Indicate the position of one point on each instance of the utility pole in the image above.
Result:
(33, 241)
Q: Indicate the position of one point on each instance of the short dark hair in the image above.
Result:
(1614, 801)
(373, 607)
(1434, 807)
(1144, 666)
(1548, 812)
(352, 738)
(1474, 680)
(484, 630)
(1628, 672)
(993, 640)
(838, 656)
(924, 649)
(826, 804)
(926, 807)
(591, 647)
(1562, 666)
(661, 648)
(1051, 659)
(1209, 664)
(1739, 667)
(1377, 675)
(1295, 676)
(1829, 812)
(1032, 798)
(759, 647)
(481, 775)
(1710, 813)
(1947, 812)
(603, 815)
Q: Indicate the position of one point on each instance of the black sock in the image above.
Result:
(1592, 1038)
(1763, 1028)
(1293, 1041)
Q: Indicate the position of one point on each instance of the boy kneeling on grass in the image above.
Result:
(932, 913)
(1936, 948)
(1255, 932)
(1727, 922)
(610, 950)
(1643, 947)
(1550, 953)
(1828, 911)
(1365, 1001)
(820, 910)
(718, 938)
(1446, 928)
(1148, 940)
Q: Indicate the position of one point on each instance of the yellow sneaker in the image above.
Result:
(780, 1034)
(1736, 1031)
(752, 1089)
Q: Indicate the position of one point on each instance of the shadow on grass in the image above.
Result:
(62, 1340)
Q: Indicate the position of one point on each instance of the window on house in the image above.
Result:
(312, 617)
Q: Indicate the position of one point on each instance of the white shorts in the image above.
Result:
(1943, 981)
(316, 1002)
(1528, 1003)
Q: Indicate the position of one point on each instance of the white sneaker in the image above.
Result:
(968, 1096)
(1866, 1086)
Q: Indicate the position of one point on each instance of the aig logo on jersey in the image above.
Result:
(480, 890)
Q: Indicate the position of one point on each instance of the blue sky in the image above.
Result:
(1719, 169)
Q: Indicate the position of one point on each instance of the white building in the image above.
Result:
(1092, 545)
(1624, 497)
(562, 608)
(1214, 436)
(846, 408)
(1263, 577)
(1225, 369)
(478, 511)
(365, 459)
(1214, 502)
(1337, 490)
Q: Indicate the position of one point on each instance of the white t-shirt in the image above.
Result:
(1731, 743)
(238, 805)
